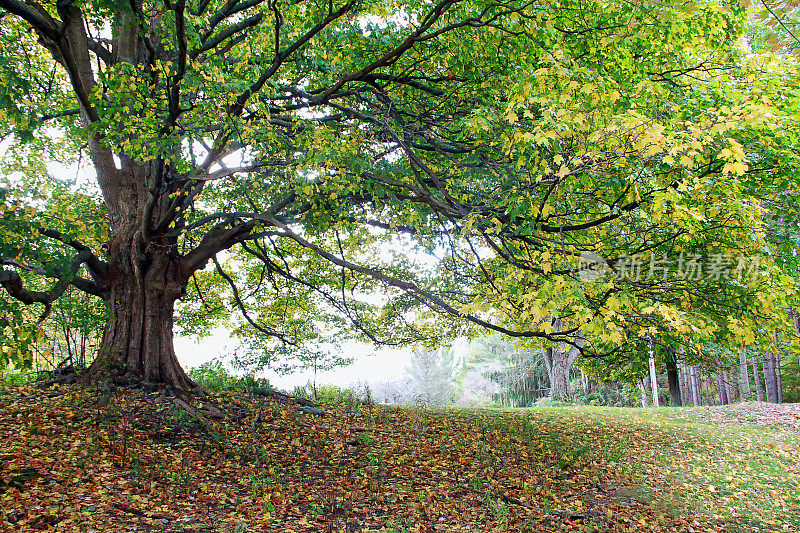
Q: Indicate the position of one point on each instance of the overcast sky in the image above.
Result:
(369, 364)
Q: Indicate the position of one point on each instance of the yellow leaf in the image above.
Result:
(739, 168)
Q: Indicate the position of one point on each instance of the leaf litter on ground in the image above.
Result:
(73, 459)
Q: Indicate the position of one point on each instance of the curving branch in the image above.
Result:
(97, 267)
(220, 237)
(232, 31)
(418, 293)
(240, 304)
(285, 272)
(35, 15)
(14, 286)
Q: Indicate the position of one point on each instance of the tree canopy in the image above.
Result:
(397, 170)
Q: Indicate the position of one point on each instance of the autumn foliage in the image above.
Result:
(78, 460)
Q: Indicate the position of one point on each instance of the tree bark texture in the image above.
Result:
(642, 391)
(723, 398)
(776, 364)
(688, 395)
(673, 380)
(726, 382)
(697, 386)
(744, 376)
(682, 382)
(559, 361)
(770, 379)
(137, 339)
(559, 371)
(653, 376)
(757, 378)
(704, 380)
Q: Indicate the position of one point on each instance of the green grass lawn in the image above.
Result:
(710, 462)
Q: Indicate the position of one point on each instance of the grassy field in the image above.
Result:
(77, 460)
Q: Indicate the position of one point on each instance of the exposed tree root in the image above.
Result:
(285, 398)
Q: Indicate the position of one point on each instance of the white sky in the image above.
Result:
(369, 364)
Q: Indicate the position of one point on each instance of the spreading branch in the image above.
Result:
(14, 286)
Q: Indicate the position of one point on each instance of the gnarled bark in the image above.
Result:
(137, 340)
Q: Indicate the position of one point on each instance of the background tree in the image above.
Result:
(497, 370)
(559, 360)
(430, 376)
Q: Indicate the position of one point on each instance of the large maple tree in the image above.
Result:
(323, 139)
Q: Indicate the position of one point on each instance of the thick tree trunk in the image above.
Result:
(723, 397)
(145, 201)
(673, 380)
(770, 380)
(137, 341)
(559, 375)
(744, 376)
(757, 378)
(559, 362)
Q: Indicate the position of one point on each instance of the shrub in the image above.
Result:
(251, 383)
(13, 377)
(547, 401)
(335, 395)
(213, 376)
